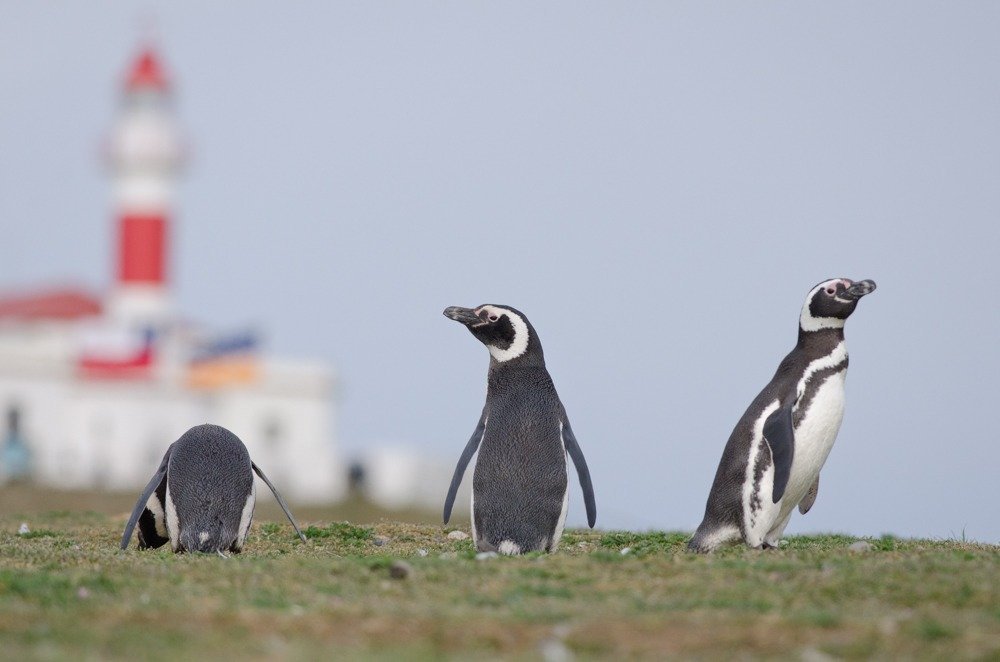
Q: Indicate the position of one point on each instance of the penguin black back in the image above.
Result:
(210, 482)
(523, 436)
(202, 496)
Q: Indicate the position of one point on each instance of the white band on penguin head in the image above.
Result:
(808, 321)
(519, 345)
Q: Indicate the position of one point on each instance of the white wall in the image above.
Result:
(286, 422)
(111, 434)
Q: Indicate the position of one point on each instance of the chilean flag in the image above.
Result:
(117, 354)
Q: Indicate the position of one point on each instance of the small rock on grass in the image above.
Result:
(380, 541)
(860, 547)
(23, 530)
(486, 556)
(421, 552)
(554, 650)
(400, 570)
(814, 655)
(458, 535)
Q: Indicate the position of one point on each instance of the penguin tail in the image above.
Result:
(204, 541)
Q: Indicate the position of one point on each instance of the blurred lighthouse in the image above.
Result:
(145, 157)
(94, 389)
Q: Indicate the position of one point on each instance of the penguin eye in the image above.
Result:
(831, 290)
(494, 318)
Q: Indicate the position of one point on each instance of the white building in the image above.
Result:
(96, 387)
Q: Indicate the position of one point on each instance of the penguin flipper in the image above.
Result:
(281, 502)
(573, 448)
(463, 462)
(780, 437)
(810, 498)
(140, 505)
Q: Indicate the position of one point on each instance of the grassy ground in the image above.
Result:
(67, 592)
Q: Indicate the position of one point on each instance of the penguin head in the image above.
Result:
(506, 332)
(831, 302)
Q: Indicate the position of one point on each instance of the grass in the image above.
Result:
(66, 592)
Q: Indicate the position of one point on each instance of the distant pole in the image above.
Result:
(15, 456)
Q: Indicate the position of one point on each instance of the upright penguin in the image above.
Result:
(202, 496)
(772, 460)
(520, 490)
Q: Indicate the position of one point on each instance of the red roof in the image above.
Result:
(146, 72)
(54, 305)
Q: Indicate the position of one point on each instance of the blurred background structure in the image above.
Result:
(96, 385)
(656, 185)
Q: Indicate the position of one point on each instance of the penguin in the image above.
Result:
(202, 496)
(520, 490)
(772, 461)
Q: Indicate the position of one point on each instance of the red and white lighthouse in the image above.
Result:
(145, 158)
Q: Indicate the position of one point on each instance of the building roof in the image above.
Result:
(146, 73)
(63, 304)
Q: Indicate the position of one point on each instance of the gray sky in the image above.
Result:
(656, 185)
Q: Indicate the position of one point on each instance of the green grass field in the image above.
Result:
(67, 592)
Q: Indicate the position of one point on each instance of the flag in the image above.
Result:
(224, 361)
(117, 354)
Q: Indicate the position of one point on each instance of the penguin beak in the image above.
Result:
(859, 289)
(464, 315)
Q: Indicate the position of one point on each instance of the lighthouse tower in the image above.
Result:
(145, 158)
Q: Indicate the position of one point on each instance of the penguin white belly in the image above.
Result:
(159, 517)
(173, 525)
(472, 509)
(561, 524)
(246, 517)
(759, 511)
(814, 437)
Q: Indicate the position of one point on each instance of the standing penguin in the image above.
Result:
(772, 461)
(520, 490)
(202, 496)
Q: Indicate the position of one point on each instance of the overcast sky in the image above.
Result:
(656, 185)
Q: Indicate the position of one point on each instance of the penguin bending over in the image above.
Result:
(520, 490)
(772, 460)
(202, 496)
